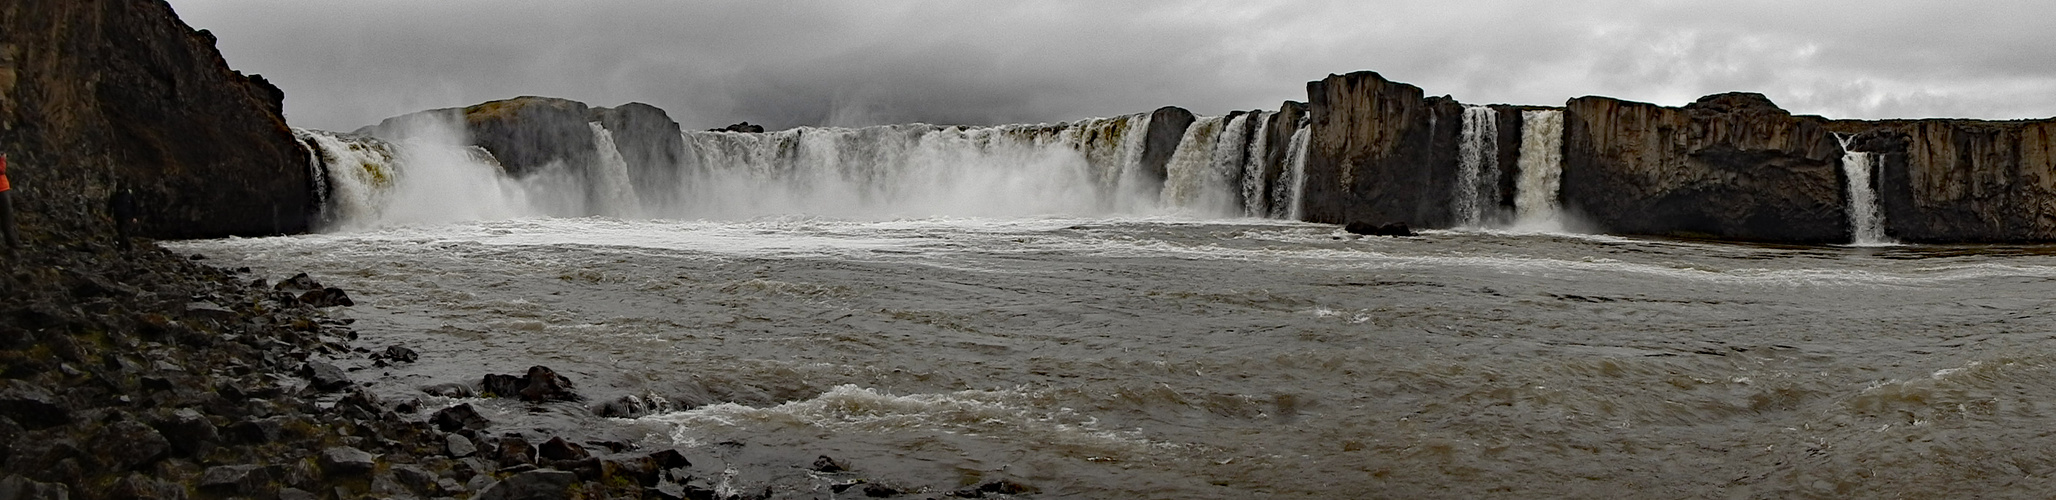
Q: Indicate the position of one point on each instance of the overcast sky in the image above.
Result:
(349, 63)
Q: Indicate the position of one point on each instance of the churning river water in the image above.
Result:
(1174, 358)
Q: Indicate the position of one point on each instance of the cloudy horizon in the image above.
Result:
(348, 64)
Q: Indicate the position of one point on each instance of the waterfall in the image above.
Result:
(1191, 178)
(1253, 188)
(1285, 201)
(1538, 189)
(1477, 180)
(613, 191)
(1085, 167)
(1866, 217)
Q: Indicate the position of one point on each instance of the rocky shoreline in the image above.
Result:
(145, 374)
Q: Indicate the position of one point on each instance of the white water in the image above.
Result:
(1253, 188)
(1286, 198)
(1866, 218)
(1191, 178)
(1084, 168)
(615, 193)
(1538, 188)
(1477, 181)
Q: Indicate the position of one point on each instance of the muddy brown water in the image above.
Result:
(1164, 358)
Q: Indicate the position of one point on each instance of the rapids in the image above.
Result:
(1177, 357)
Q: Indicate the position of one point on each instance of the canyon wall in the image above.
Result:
(1380, 152)
(1962, 180)
(100, 93)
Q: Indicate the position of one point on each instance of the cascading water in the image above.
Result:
(1191, 179)
(1285, 199)
(1541, 172)
(1477, 181)
(1087, 167)
(614, 191)
(1253, 188)
(1866, 217)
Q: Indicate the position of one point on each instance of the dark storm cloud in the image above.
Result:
(347, 64)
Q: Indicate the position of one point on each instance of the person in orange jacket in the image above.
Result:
(7, 207)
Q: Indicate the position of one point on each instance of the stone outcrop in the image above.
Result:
(652, 145)
(1380, 152)
(1730, 166)
(1277, 137)
(1962, 180)
(1166, 128)
(525, 134)
(95, 94)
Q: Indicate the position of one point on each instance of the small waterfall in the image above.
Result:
(1190, 178)
(1866, 217)
(616, 195)
(1541, 172)
(1253, 188)
(1285, 200)
(1477, 181)
(357, 173)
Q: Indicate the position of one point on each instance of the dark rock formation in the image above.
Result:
(1962, 180)
(1166, 129)
(744, 127)
(525, 134)
(1380, 152)
(652, 145)
(1277, 139)
(94, 94)
(539, 384)
(1368, 229)
(1730, 166)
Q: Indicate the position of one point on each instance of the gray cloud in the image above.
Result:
(347, 64)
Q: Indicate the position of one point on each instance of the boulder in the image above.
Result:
(531, 485)
(248, 480)
(515, 451)
(557, 449)
(129, 445)
(399, 354)
(539, 384)
(347, 460)
(326, 377)
(1730, 166)
(459, 417)
(31, 405)
(189, 432)
(326, 297)
(459, 446)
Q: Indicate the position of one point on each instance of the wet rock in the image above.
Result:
(628, 406)
(1002, 486)
(210, 310)
(539, 384)
(1166, 129)
(448, 390)
(347, 460)
(825, 464)
(398, 354)
(235, 479)
(31, 405)
(15, 487)
(140, 487)
(129, 444)
(531, 485)
(326, 377)
(298, 283)
(189, 432)
(559, 449)
(875, 490)
(670, 459)
(1368, 229)
(295, 494)
(258, 430)
(415, 479)
(515, 451)
(462, 416)
(326, 297)
(459, 446)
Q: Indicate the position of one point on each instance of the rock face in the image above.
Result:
(652, 145)
(1166, 127)
(1277, 137)
(1730, 166)
(1380, 152)
(1962, 180)
(525, 134)
(99, 93)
